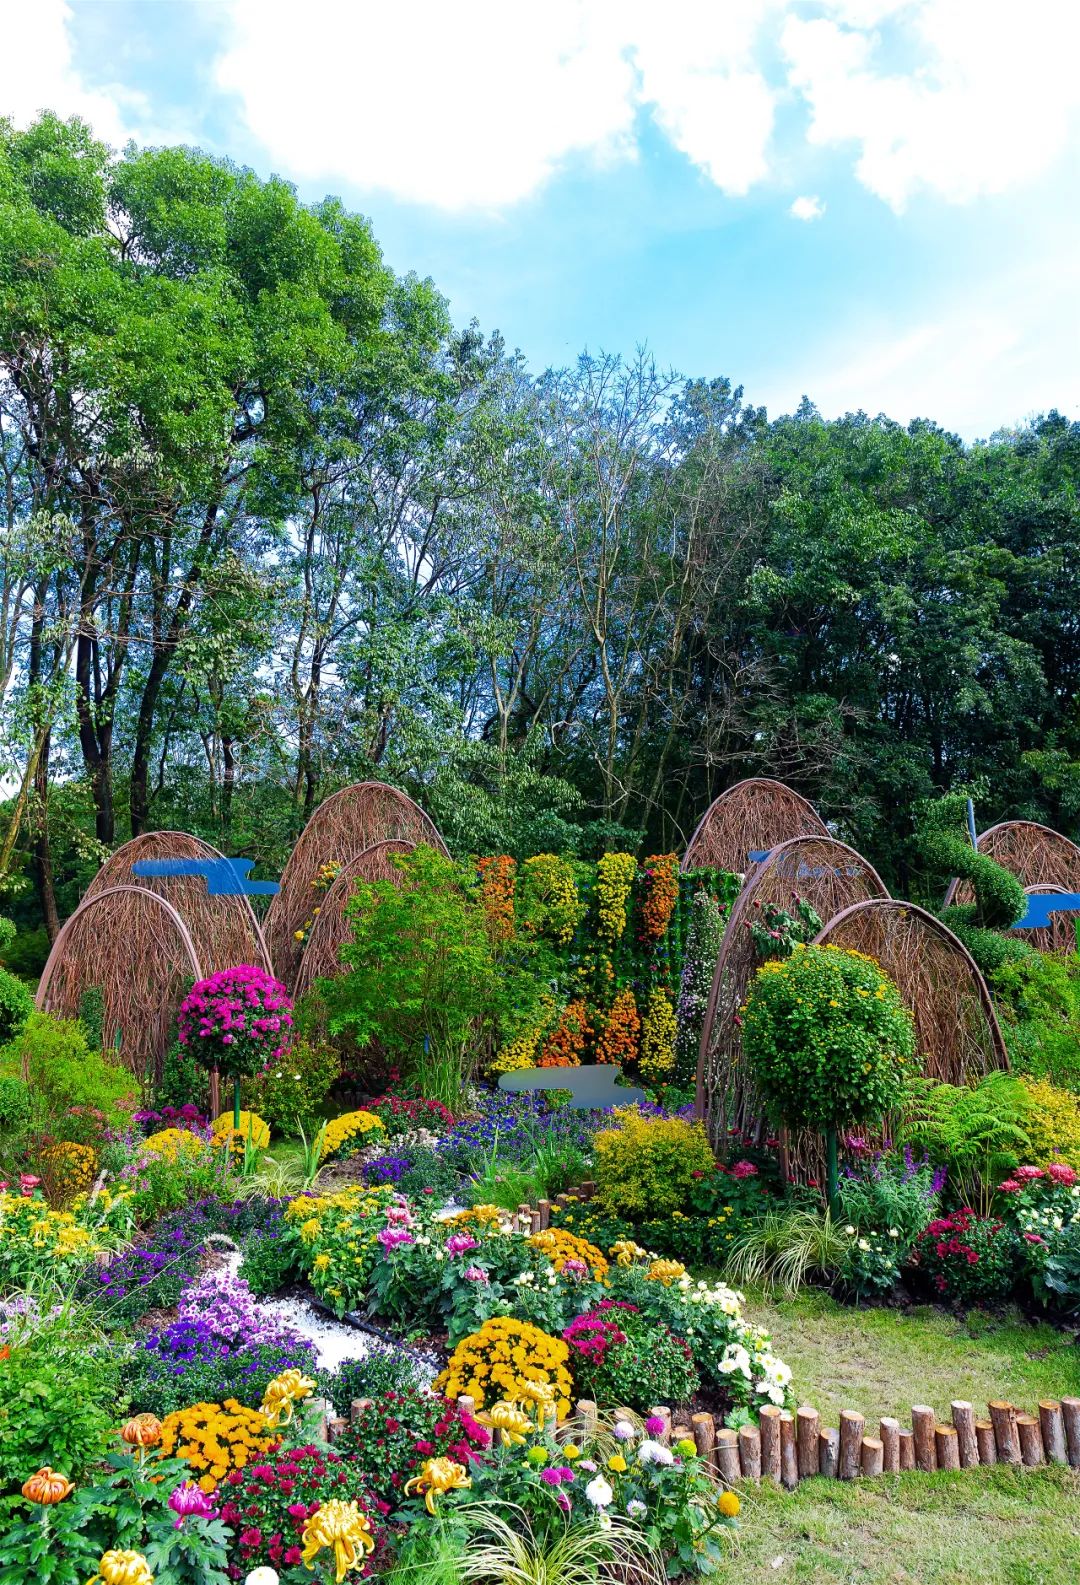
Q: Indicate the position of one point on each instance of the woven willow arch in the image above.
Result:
(827, 874)
(330, 930)
(136, 947)
(341, 828)
(224, 930)
(753, 816)
(955, 1024)
(1035, 854)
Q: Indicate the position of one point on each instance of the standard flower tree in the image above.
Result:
(236, 1022)
(829, 1042)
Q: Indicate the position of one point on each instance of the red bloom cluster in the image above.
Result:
(405, 1112)
(390, 1438)
(591, 1337)
(950, 1241)
(268, 1504)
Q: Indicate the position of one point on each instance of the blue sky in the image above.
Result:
(869, 201)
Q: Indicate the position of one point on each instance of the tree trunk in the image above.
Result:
(42, 850)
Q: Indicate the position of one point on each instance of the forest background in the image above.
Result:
(270, 523)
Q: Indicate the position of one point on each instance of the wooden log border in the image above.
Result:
(787, 1448)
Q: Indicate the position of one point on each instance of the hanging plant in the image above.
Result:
(615, 874)
(660, 893)
(658, 1031)
(498, 876)
(620, 1040)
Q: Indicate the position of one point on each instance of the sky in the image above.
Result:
(870, 202)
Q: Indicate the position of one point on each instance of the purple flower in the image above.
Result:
(189, 1501)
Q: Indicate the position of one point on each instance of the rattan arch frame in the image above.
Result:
(955, 1023)
(225, 930)
(754, 815)
(137, 948)
(1037, 855)
(320, 958)
(724, 1093)
(341, 828)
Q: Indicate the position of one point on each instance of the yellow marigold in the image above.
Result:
(349, 1128)
(68, 1168)
(489, 1217)
(517, 1053)
(177, 1144)
(615, 874)
(215, 1438)
(309, 1208)
(507, 1360)
(560, 1246)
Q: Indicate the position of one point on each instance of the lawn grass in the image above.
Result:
(982, 1527)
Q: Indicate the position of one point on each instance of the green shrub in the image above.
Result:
(58, 1399)
(647, 1165)
(15, 1104)
(183, 1082)
(64, 1073)
(1052, 1124)
(890, 1195)
(269, 1262)
(92, 1014)
(1038, 1004)
(291, 1094)
(828, 1038)
(620, 1357)
(16, 1005)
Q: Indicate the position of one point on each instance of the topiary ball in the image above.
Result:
(828, 1038)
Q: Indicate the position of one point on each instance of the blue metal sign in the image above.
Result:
(224, 877)
(1040, 905)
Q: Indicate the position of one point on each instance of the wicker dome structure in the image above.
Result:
(224, 930)
(753, 816)
(828, 875)
(343, 825)
(320, 958)
(955, 1024)
(133, 945)
(1037, 855)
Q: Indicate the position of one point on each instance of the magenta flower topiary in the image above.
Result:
(238, 1020)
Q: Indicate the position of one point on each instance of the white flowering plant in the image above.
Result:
(871, 1263)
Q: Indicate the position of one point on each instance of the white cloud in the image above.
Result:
(807, 207)
(478, 103)
(37, 73)
(988, 99)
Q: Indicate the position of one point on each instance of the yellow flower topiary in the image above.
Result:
(178, 1144)
(1052, 1124)
(215, 1438)
(509, 1361)
(560, 1246)
(251, 1128)
(349, 1129)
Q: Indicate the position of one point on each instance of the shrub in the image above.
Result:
(16, 1005)
(392, 1436)
(291, 1094)
(828, 1038)
(871, 1266)
(968, 1258)
(619, 1357)
(269, 1261)
(64, 1074)
(252, 1130)
(1052, 1123)
(15, 1104)
(1038, 1000)
(647, 1164)
(506, 1359)
(58, 1398)
(183, 1082)
(237, 1020)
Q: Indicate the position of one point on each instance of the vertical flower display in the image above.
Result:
(615, 874)
(549, 901)
(498, 878)
(658, 1031)
(565, 1046)
(620, 1040)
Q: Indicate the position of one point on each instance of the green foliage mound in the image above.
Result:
(64, 1073)
(828, 1038)
(942, 842)
(649, 1165)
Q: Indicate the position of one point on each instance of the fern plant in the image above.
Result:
(977, 1133)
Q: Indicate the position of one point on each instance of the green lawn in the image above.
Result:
(992, 1527)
